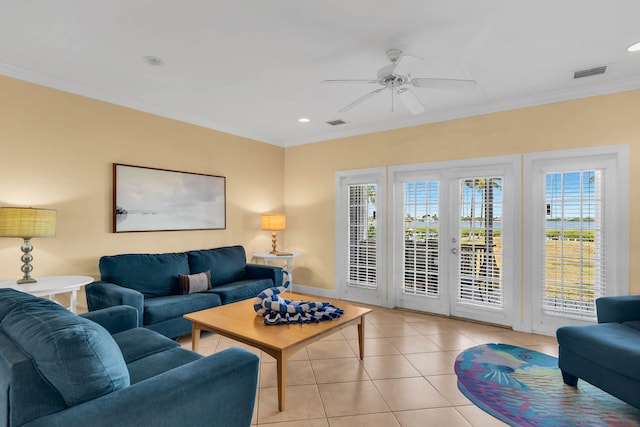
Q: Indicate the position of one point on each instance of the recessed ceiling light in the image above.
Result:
(634, 47)
(304, 120)
(153, 60)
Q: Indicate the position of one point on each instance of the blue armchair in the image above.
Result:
(606, 354)
(60, 369)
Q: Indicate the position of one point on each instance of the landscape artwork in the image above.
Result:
(148, 199)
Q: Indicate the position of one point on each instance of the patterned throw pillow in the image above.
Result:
(191, 283)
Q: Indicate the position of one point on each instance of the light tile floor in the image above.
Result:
(406, 378)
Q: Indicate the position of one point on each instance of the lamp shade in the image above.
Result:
(274, 222)
(27, 222)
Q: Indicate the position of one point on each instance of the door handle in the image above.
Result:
(454, 251)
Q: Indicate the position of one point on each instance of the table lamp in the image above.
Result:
(274, 223)
(27, 223)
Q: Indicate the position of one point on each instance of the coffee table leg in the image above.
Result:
(361, 337)
(195, 336)
(282, 380)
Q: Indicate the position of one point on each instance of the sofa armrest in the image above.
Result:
(257, 271)
(218, 390)
(103, 294)
(114, 319)
(618, 309)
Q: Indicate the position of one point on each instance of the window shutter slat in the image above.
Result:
(480, 260)
(421, 238)
(573, 273)
(362, 246)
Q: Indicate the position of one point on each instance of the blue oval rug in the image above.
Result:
(524, 388)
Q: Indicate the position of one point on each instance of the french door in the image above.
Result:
(361, 236)
(453, 230)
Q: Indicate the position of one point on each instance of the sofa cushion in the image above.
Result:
(611, 345)
(152, 274)
(78, 357)
(633, 324)
(191, 283)
(160, 362)
(244, 289)
(227, 264)
(138, 343)
(163, 308)
(10, 299)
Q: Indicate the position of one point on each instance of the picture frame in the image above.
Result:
(151, 199)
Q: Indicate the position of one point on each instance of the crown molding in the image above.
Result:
(469, 111)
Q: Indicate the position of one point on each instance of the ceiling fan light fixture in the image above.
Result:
(304, 120)
(634, 47)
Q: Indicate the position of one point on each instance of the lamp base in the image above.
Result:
(26, 262)
(274, 243)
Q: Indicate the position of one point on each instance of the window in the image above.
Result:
(574, 256)
(361, 265)
(576, 233)
(421, 238)
(361, 236)
(480, 242)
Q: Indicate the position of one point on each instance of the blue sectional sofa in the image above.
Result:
(606, 354)
(151, 284)
(60, 369)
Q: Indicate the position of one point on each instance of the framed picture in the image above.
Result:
(148, 199)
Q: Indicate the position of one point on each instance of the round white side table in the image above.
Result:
(266, 257)
(51, 286)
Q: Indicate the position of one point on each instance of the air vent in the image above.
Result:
(336, 122)
(589, 72)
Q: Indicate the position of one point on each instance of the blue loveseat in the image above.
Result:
(606, 354)
(150, 284)
(100, 369)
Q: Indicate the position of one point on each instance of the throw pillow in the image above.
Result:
(190, 283)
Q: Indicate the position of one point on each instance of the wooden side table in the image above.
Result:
(266, 257)
(51, 286)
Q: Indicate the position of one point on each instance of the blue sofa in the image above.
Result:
(100, 369)
(606, 354)
(150, 284)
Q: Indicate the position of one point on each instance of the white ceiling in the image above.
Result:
(253, 67)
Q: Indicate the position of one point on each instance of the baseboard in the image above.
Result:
(311, 290)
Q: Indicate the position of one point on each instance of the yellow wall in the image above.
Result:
(57, 151)
(310, 169)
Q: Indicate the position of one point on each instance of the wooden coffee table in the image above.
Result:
(240, 322)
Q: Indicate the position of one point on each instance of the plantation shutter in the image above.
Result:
(361, 265)
(421, 241)
(480, 253)
(574, 253)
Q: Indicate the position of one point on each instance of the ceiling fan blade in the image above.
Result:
(349, 81)
(361, 99)
(411, 101)
(435, 83)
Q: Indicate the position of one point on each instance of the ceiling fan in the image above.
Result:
(397, 78)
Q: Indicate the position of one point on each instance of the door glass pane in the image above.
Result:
(421, 244)
(480, 236)
(573, 251)
(361, 265)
